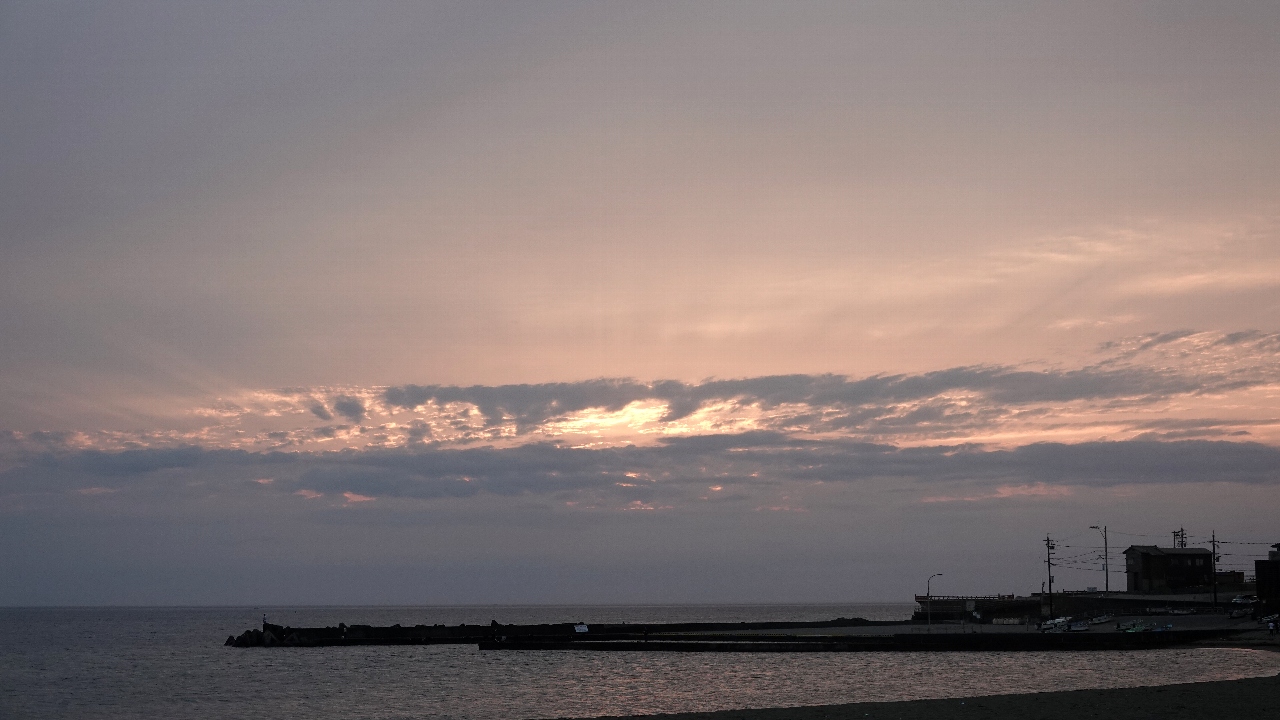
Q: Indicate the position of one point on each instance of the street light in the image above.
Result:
(928, 594)
(1106, 556)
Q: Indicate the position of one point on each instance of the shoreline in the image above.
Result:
(1246, 698)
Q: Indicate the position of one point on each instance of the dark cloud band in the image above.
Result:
(676, 469)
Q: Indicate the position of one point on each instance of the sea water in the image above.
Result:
(171, 663)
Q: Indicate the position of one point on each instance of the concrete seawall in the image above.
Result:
(898, 642)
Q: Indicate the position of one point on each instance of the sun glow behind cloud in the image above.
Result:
(1171, 386)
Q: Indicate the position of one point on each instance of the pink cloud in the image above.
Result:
(309, 494)
(1041, 490)
(1037, 490)
(638, 505)
(357, 498)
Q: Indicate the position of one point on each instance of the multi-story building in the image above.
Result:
(1267, 573)
(1155, 569)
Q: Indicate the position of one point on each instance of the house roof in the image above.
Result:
(1153, 550)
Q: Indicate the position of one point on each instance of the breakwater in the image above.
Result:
(272, 635)
(839, 635)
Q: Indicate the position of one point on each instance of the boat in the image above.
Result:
(1055, 624)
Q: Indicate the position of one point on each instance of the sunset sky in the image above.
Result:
(334, 302)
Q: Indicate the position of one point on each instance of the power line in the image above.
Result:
(1091, 558)
(1180, 533)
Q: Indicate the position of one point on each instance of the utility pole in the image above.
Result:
(1048, 561)
(1214, 562)
(1180, 538)
(928, 594)
(1106, 557)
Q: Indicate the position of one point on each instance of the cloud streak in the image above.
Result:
(1172, 385)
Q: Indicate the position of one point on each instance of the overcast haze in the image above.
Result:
(630, 302)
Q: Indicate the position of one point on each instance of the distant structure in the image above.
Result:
(1148, 568)
(1267, 573)
(988, 609)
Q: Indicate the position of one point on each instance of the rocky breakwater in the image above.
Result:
(284, 636)
(272, 635)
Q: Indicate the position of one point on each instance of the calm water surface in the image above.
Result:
(170, 662)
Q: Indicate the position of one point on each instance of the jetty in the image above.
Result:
(272, 635)
(837, 635)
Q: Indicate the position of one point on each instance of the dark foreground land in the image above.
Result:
(1255, 698)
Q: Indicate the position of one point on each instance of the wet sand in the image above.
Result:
(1253, 698)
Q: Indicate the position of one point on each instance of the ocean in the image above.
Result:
(171, 663)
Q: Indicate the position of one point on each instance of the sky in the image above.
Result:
(430, 303)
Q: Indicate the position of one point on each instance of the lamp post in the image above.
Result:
(1106, 556)
(928, 594)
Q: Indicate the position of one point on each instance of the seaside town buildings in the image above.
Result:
(1161, 577)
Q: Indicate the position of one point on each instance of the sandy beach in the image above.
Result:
(1252, 698)
(1249, 698)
